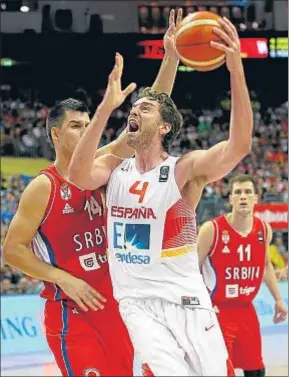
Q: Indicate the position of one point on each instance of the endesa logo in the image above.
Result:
(133, 258)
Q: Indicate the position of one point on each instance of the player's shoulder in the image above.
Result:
(215, 225)
(219, 221)
(263, 223)
(123, 164)
(269, 232)
(207, 227)
(38, 189)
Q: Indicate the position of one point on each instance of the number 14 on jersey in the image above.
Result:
(92, 207)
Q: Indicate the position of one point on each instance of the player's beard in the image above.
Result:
(142, 140)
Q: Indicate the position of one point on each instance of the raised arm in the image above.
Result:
(17, 253)
(163, 83)
(118, 147)
(85, 170)
(205, 241)
(219, 160)
(165, 79)
(272, 283)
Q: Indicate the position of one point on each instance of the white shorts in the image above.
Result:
(174, 340)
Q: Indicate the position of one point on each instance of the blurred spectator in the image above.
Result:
(22, 286)
(152, 17)
(275, 257)
(23, 127)
(278, 251)
(6, 287)
(280, 245)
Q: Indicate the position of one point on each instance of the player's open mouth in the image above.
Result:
(133, 125)
(243, 204)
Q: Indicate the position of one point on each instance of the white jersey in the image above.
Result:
(151, 235)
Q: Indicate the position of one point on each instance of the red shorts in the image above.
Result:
(241, 331)
(88, 344)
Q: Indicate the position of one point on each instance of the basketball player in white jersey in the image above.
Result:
(151, 228)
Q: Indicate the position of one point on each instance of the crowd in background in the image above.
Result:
(23, 134)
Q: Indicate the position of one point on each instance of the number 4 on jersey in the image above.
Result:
(92, 207)
(136, 190)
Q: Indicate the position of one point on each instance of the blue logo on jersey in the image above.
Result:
(131, 238)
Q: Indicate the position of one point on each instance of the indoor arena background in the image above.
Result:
(55, 49)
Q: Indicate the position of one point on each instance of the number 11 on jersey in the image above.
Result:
(244, 252)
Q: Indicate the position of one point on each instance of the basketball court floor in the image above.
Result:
(275, 351)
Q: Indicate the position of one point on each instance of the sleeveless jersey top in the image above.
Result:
(235, 266)
(71, 235)
(152, 237)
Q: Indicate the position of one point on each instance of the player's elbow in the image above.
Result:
(246, 146)
(9, 252)
(240, 149)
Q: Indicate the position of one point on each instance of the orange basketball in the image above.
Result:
(193, 41)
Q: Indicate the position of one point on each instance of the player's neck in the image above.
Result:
(62, 165)
(241, 223)
(149, 158)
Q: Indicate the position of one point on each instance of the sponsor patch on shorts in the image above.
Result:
(190, 301)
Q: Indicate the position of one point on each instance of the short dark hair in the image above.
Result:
(169, 114)
(240, 178)
(57, 113)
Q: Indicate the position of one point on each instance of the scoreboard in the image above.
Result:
(251, 48)
(278, 47)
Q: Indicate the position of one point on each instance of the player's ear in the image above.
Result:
(165, 128)
(230, 199)
(54, 134)
(256, 199)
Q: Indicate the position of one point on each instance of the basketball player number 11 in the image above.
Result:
(138, 189)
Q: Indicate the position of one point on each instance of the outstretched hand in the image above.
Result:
(114, 95)
(169, 37)
(228, 33)
(280, 314)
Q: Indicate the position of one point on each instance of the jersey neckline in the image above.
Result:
(154, 168)
(234, 230)
(66, 180)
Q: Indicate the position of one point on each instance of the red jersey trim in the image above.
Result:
(51, 196)
(265, 230)
(215, 238)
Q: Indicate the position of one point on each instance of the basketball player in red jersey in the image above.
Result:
(233, 253)
(65, 226)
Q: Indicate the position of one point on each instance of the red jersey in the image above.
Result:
(235, 266)
(72, 235)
